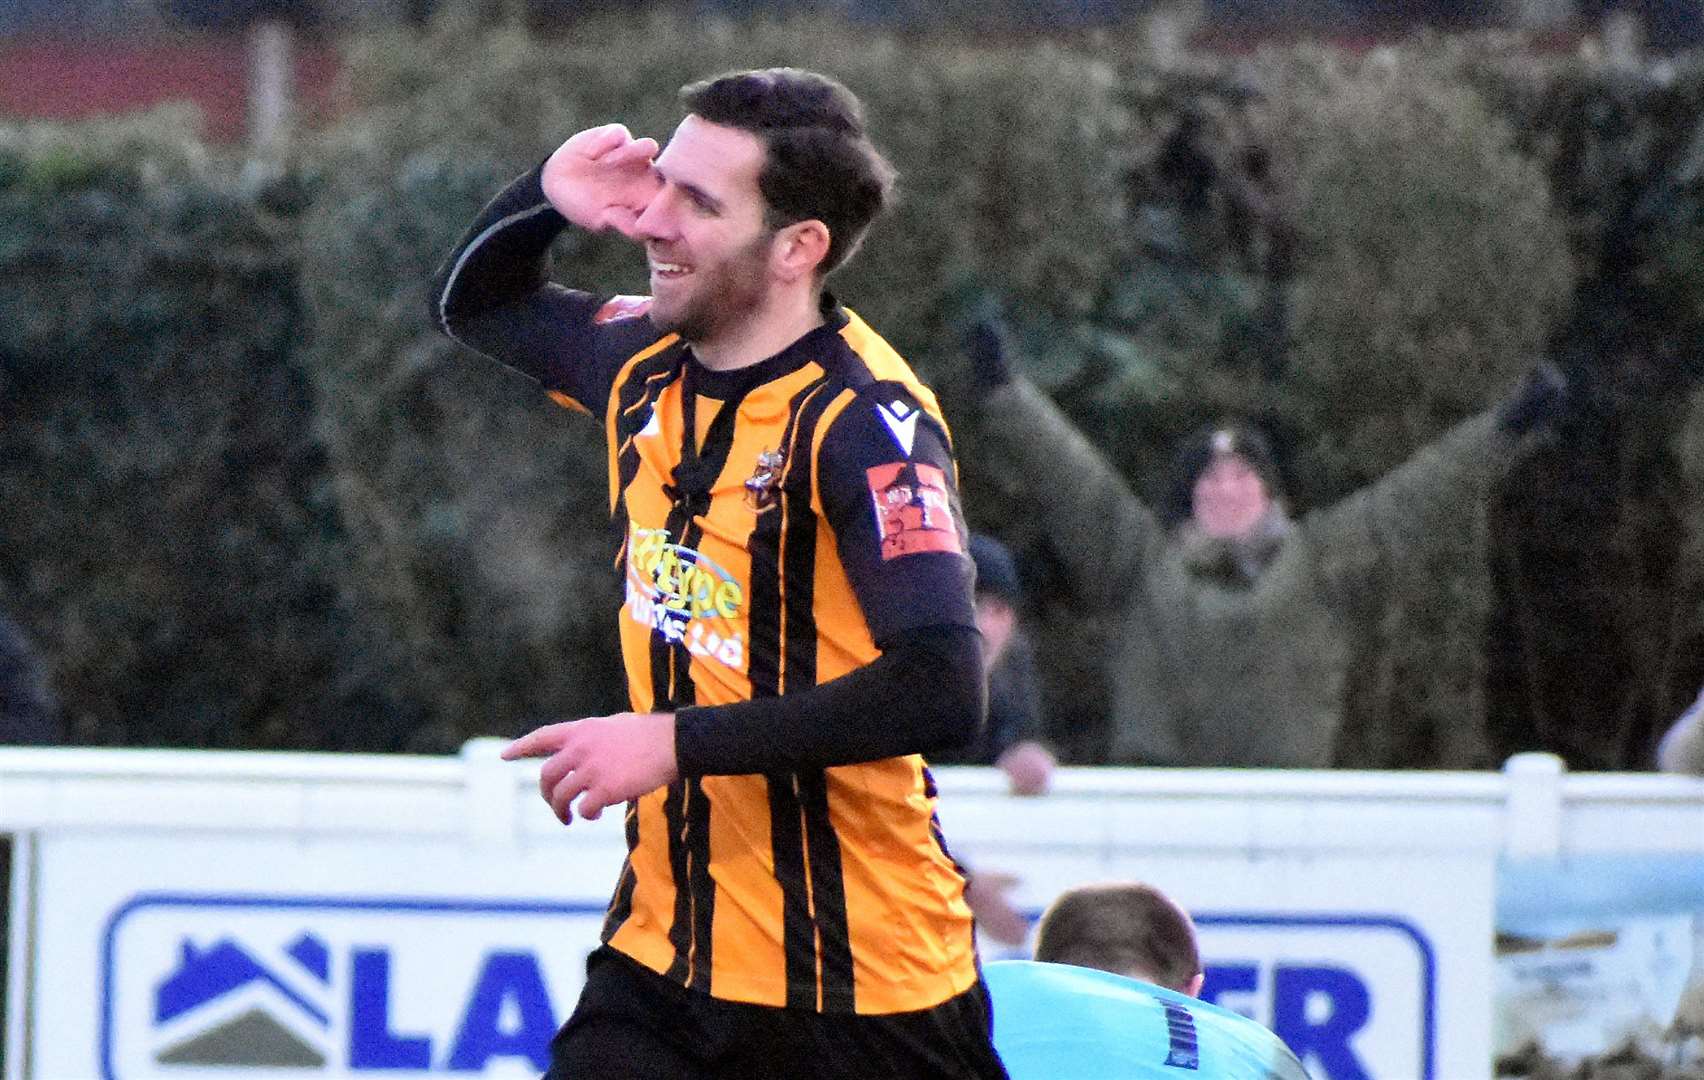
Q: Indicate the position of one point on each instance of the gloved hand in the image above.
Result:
(1538, 400)
(985, 345)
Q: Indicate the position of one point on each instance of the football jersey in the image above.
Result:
(1058, 1022)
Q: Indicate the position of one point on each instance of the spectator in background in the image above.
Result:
(1112, 993)
(1682, 747)
(28, 713)
(1235, 622)
(1010, 738)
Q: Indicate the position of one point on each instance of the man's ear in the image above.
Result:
(800, 248)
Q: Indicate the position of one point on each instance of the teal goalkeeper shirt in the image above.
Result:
(1056, 1022)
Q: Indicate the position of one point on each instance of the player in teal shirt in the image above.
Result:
(1061, 1022)
(1112, 994)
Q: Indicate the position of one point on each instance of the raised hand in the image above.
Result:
(602, 178)
(1028, 766)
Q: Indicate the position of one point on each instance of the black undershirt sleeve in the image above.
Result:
(924, 693)
(493, 293)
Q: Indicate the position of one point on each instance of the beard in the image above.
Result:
(726, 294)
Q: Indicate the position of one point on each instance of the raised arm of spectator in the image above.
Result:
(1102, 532)
(1441, 490)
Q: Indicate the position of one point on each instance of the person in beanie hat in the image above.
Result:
(1234, 625)
(1226, 504)
(1010, 738)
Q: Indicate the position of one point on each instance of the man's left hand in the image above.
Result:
(601, 760)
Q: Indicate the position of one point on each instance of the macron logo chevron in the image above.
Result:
(901, 420)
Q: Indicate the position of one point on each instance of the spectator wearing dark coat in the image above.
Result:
(1011, 737)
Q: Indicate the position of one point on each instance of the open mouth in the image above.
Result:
(668, 271)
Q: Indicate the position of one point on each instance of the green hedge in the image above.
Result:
(170, 537)
(478, 508)
(279, 510)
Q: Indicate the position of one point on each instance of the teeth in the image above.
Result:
(669, 268)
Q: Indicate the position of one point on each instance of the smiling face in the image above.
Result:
(704, 232)
(1230, 497)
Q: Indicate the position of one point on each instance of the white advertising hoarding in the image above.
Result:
(190, 952)
(197, 917)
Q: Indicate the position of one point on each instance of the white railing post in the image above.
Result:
(489, 789)
(20, 970)
(1534, 810)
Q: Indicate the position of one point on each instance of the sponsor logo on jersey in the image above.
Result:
(761, 484)
(684, 596)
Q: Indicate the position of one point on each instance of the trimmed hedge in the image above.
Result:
(169, 536)
(479, 510)
(339, 530)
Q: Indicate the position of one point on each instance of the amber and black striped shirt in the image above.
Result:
(787, 533)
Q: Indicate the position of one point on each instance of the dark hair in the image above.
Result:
(996, 573)
(1197, 452)
(819, 162)
(1126, 928)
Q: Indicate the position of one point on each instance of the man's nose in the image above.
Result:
(653, 222)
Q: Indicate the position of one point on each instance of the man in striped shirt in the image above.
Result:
(798, 625)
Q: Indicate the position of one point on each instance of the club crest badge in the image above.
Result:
(760, 486)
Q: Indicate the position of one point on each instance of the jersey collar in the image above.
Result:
(813, 346)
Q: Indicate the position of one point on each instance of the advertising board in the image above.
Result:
(182, 916)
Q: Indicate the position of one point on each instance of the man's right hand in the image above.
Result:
(602, 178)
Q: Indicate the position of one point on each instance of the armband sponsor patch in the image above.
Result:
(913, 511)
(617, 308)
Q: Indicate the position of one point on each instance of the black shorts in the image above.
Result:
(633, 1024)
